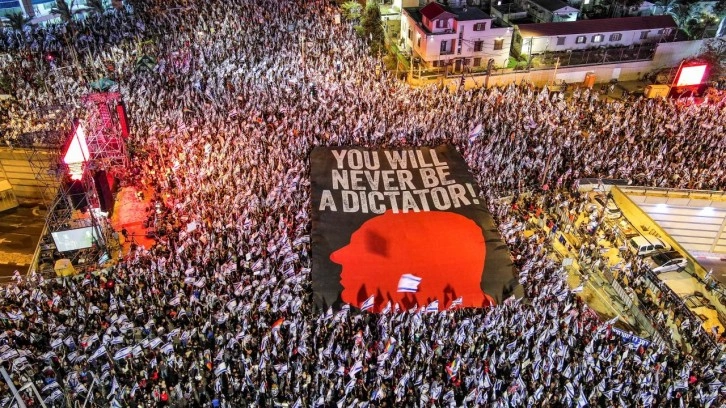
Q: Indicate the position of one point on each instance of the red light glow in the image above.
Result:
(691, 75)
(77, 154)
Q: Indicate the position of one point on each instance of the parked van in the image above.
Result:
(646, 244)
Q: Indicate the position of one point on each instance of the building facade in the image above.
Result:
(454, 38)
(550, 11)
(535, 39)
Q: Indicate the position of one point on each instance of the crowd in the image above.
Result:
(222, 314)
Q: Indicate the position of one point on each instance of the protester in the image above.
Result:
(221, 314)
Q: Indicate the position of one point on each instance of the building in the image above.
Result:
(577, 35)
(35, 8)
(550, 11)
(454, 37)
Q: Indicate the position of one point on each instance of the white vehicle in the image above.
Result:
(600, 203)
(646, 244)
(666, 261)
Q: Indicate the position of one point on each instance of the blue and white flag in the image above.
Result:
(220, 369)
(369, 303)
(433, 307)
(124, 352)
(457, 302)
(408, 283)
(167, 348)
(98, 353)
(357, 367)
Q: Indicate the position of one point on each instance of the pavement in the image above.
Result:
(20, 230)
(129, 214)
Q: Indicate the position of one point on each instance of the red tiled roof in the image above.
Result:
(605, 25)
(432, 10)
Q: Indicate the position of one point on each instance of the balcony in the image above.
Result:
(447, 52)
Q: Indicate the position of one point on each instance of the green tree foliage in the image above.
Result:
(719, 9)
(351, 10)
(17, 21)
(63, 10)
(713, 52)
(372, 28)
(96, 6)
(697, 25)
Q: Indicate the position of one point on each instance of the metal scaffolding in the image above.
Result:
(105, 141)
(75, 203)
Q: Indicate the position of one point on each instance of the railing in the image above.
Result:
(682, 307)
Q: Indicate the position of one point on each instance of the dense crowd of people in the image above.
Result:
(222, 314)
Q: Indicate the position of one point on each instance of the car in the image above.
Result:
(646, 244)
(625, 228)
(666, 261)
(600, 202)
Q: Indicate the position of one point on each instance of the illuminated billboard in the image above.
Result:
(691, 75)
(77, 153)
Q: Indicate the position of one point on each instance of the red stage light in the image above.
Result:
(77, 153)
(692, 75)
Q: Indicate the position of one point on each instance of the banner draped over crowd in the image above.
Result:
(224, 126)
(389, 217)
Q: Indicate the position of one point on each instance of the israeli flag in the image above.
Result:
(122, 353)
(408, 283)
(457, 302)
(167, 348)
(221, 369)
(357, 367)
(98, 353)
(433, 307)
(474, 133)
(369, 303)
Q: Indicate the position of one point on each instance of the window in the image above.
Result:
(598, 38)
(418, 42)
(580, 39)
(644, 35)
(443, 46)
(410, 34)
(561, 40)
(478, 46)
(439, 23)
(499, 43)
(616, 37)
(480, 26)
(477, 62)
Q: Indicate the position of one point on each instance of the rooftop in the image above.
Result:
(606, 25)
(551, 5)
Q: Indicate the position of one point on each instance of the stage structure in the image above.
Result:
(83, 169)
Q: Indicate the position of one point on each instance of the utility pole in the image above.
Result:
(13, 390)
(557, 65)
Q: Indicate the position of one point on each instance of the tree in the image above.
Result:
(351, 10)
(96, 6)
(697, 25)
(63, 10)
(17, 21)
(372, 28)
(719, 9)
(713, 52)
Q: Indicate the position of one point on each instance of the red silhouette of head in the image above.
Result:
(446, 250)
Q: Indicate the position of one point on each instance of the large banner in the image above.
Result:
(405, 226)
